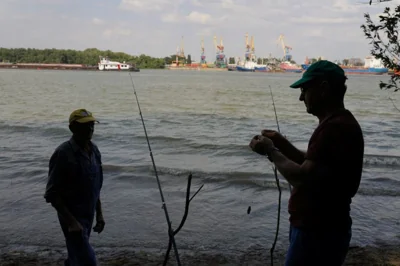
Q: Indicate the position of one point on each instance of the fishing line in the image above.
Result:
(279, 188)
(171, 233)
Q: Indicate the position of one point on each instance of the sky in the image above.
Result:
(313, 28)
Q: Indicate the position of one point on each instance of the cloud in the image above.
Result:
(170, 18)
(97, 21)
(194, 17)
(318, 32)
(38, 2)
(197, 17)
(345, 6)
(196, 3)
(205, 31)
(323, 20)
(146, 5)
(117, 31)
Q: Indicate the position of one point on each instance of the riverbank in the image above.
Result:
(383, 256)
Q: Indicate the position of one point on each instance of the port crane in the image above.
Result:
(248, 54)
(180, 52)
(250, 48)
(202, 57)
(286, 54)
(220, 56)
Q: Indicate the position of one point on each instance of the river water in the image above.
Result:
(198, 122)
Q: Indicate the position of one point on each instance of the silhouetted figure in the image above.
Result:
(326, 177)
(74, 183)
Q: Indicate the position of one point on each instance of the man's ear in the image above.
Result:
(325, 89)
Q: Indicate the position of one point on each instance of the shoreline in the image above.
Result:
(385, 255)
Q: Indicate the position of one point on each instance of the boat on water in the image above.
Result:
(46, 66)
(261, 68)
(232, 67)
(247, 66)
(106, 64)
(251, 66)
(305, 66)
(372, 66)
(288, 66)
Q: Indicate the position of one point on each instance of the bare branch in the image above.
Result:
(394, 104)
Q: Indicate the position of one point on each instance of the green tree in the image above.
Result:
(189, 59)
(383, 37)
(231, 60)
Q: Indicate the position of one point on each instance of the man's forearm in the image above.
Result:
(290, 170)
(99, 211)
(59, 205)
(291, 152)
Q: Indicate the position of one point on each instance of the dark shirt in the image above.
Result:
(323, 200)
(76, 178)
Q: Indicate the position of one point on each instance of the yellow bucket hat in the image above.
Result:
(81, 116)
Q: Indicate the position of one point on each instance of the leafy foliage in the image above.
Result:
(387, 50)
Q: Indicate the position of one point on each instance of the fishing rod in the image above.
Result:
(279, 188)
(277, 122)
(171, 233)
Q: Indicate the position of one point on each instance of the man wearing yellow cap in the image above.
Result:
(326, 177)
(73, 188)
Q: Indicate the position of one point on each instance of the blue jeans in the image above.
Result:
(80, 252)
(309, 248)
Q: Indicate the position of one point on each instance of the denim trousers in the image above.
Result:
(80, 252)
(317, 247)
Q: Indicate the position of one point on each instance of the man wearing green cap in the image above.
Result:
(326, 177)
(73, 188)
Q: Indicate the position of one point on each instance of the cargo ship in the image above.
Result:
(287, 66)
(103, 65)
(372, 66)
(42, 66)
(261, 68)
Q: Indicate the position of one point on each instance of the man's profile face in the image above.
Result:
(312, 95)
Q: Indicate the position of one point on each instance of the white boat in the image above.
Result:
(246, 66)
(251, 66)
(107, 65)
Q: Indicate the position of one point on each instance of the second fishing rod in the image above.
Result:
(171, 232)
(278, 186)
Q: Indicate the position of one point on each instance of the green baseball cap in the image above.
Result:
(322, 68)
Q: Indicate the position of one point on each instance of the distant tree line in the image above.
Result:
(86, 57)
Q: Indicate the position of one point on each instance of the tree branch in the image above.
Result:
(388, 51)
